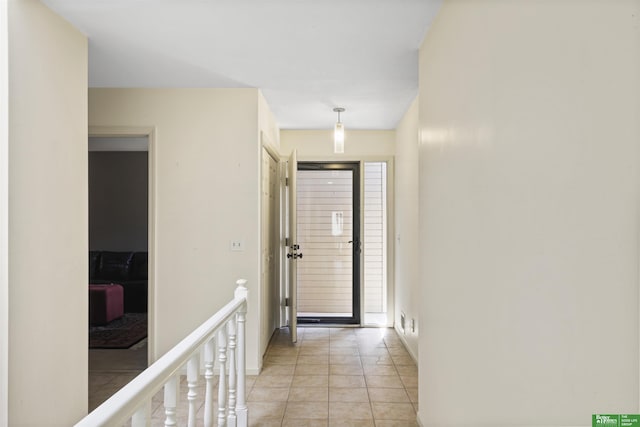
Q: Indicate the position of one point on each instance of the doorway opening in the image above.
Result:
(119, 243)
(338, 243)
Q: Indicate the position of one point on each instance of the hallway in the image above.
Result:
(336, 377)
(332, 377)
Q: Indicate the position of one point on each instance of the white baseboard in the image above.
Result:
(406, 346)
(421, 424)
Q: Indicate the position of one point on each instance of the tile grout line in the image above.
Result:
(366, 383)
(297, 345)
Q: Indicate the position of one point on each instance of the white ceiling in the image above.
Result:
(307, 56)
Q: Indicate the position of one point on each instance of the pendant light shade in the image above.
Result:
(338, 134)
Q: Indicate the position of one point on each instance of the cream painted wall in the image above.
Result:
(4, 215)
(47, 218)
(318, 144)
(268, 124)
(529, 221)
(207, 158)
(407, 267)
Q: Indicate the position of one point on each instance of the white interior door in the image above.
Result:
(293, 249)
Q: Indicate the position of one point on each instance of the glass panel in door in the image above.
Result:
(374, 245)
(328, 235)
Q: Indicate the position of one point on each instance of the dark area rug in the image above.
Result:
(120, 333)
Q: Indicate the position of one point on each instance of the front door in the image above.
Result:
(328, 235)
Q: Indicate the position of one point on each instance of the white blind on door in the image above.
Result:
(374, 241)
(325, 224)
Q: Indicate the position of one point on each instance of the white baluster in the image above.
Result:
(222, 381)
(192, 383)
(241, 407)
(142, 417)
(171, 401)
(232, 409)
(231, 416)
(209, 354)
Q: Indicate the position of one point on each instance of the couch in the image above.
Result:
(128, 269)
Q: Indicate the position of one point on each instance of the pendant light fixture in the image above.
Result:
(338, 133)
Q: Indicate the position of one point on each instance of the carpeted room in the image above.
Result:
(118, 259)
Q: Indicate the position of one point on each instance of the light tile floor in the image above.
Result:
(330, 377)
(109, 370)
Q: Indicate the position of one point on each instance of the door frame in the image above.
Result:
(356, 252)
(276, 223)
(391, 233)
(4, 215)
(150, 134)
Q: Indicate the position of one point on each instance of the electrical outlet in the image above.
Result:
(237, 245)
(402, 319)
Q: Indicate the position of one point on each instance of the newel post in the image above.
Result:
(241, 406)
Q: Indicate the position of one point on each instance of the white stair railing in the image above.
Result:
(133, 401)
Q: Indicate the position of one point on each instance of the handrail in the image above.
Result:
(123, 405)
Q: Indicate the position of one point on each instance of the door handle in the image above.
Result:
(357, 245)
(294, 252)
